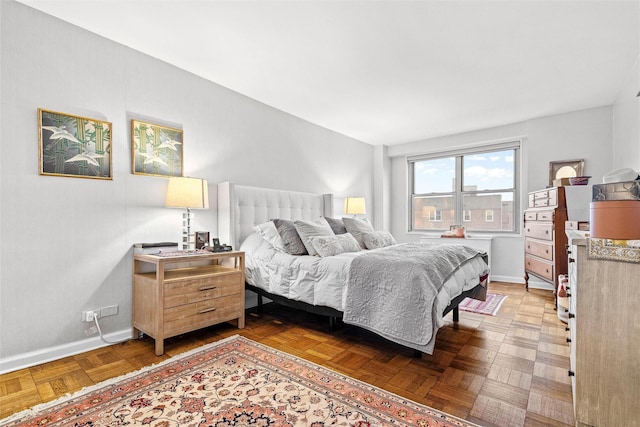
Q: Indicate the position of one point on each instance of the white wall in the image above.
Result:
(626, 113)
(584, 135)
(65, 243)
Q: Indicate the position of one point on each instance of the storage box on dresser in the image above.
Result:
(604, 338)
(178, 294)
(545, 239)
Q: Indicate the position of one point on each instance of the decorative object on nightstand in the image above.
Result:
(545, 239)
(187, 193)
(355, 206)
(173, 295)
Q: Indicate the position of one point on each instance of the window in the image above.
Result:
(488, 215)
(435, 215)
(471, 186)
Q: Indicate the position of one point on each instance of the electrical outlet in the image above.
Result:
(111, 310)
(87, 316)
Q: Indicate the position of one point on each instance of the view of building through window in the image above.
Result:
(475, 190)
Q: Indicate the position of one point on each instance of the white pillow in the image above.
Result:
(270, 234)
(307, 229)
(357, 227)
(334, 245)
(378, 239)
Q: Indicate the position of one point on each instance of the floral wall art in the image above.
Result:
(156, 149)
(74, 146)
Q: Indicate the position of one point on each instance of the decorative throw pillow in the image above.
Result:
(270, 234)
(290, 238)
(334, 245)
(357, 227)
(336, 225)
(306, 229)
(378, 239)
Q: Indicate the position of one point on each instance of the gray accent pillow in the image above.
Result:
(290, 238)
(336, 225)
(307, 229)
(357, 227)
(334, 245)
(378, 239)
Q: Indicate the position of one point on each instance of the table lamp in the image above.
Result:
(354, 206)
(187, 193)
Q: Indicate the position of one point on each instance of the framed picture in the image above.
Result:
(215, 242)
(156, 150)
(202, 239)
(565, 169)
(74, 146)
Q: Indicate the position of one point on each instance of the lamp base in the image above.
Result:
(188, 238)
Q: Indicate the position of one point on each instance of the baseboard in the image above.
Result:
(32, 358)
(533, 283)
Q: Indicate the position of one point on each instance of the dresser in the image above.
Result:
(544, 237)
(173, 295)
(604, 338)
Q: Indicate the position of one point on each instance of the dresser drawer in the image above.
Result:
(539, 249)
(537, 230)
(538, 215)
(542, 268)
(194, 290)
(189, 317)
(544, 198)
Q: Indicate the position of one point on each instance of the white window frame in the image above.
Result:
(465, 217)
(488, 215)
(514, 144)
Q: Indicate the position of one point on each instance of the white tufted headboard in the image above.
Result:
(241, 207)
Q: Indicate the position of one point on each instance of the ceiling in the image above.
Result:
(387, 72)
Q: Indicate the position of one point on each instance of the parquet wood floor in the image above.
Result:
(503, 370)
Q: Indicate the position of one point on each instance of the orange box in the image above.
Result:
(616, 219)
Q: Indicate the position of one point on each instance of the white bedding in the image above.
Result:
(323, 281)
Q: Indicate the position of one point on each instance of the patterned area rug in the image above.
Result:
(233, 382)
(489, 307)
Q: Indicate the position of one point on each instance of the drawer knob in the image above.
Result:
(566, 328)
(572, 260)
(207, 310)
(572, 316)
(207, 288)
(572, 374)
(568, 295)
(568, 339)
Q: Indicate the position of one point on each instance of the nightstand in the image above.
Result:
(173, 295)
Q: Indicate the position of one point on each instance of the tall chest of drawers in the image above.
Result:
(604, 338)
(544, 236)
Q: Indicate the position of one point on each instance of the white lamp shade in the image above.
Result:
(354, 206)
(185, 192)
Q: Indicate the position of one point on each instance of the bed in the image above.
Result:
(366, 287)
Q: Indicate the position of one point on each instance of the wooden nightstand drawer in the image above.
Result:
(194, 290)
(542, 231)
(539, 249)
(539, 267)
(189, 317)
